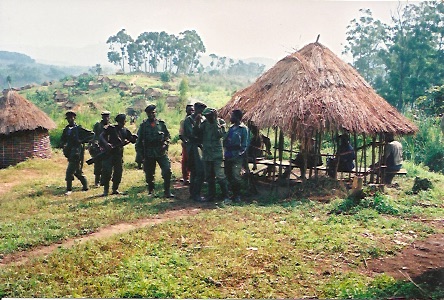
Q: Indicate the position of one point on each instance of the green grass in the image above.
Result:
(267, 249)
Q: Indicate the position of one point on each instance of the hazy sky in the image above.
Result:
(75, 31)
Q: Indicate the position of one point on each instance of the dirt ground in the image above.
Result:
(419, 262)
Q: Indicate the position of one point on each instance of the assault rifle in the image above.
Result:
(102, 154)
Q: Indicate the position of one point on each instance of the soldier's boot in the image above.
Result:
(97, 180)
(166, 188)
(84, 183)
(150, 188)
(68, 187)
(116, 189)
(211, 191)
(224, 190)
(105, 189)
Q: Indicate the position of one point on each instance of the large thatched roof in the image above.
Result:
(314, 90)
(17, 114)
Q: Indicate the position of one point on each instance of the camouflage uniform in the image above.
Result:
(98, 128)
(113, 160)
(71, 142)
(152, 144)
(211, 135)
(235, 145)
(194, 152)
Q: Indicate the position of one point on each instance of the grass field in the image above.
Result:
(266, 247)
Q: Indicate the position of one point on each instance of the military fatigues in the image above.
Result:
(194, 157)
(98, 128)
(113, 160)
(235, 145)
(152, 144)
(211, 136)
(71, 142)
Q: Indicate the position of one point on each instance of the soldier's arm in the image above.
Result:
(244, 140)
(139, 141)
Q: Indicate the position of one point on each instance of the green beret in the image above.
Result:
(208, 111)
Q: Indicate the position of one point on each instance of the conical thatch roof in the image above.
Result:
(17, 114)
(314, 90)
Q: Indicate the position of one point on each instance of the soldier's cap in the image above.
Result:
(208, 111)
(150, 108)
(105, 113)
(120, 118)
(70, 113)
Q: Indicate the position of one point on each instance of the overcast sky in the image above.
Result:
(75, 31)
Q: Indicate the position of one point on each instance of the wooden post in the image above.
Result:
(274, 156)
(291, 156)
(372, 175)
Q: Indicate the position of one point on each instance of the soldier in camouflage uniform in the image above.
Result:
(193, 147)
(211, 132)
(71, 141)
(96, 146)
(114, 137)
(152, 144)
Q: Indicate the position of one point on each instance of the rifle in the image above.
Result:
(102, 154)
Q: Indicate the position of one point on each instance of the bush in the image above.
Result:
(165, 77)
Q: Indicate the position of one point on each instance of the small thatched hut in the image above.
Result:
(312, 93)
(23, 130)
(313, 90)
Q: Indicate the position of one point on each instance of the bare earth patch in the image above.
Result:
(419, 262)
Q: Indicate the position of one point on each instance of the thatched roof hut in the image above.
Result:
(23, 130)
(312, 91)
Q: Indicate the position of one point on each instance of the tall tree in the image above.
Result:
(121, 41)
(365, 38)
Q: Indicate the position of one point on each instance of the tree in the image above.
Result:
(432, 103)
(9, 80)
(190, 46)
(365, 38)
(121, 40)
(402, 60)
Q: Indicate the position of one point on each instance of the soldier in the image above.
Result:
(185, 164)
(96, 147)
(72, 140)
(193, 147)
(212, 131)
(114, 137)
(235, 145)
(152, 144)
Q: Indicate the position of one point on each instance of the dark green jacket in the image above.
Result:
(211, 136)
(153, 139)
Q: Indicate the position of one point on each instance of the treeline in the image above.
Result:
(404, 60)
(154, 52)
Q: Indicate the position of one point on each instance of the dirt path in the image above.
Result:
(421, 261)
(22, 257)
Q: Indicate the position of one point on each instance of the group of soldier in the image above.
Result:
(210, 152)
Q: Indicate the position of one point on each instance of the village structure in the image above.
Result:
(313, 94)
(23, 130)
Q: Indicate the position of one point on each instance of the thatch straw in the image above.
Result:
(313, 90)
(18, 114)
